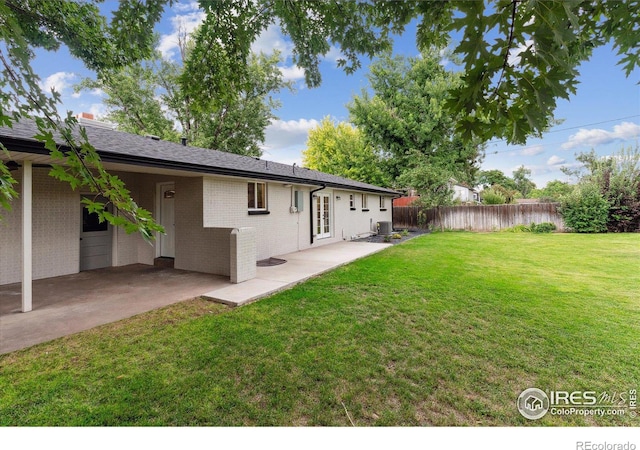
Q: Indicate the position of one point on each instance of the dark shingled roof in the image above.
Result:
(126, 148)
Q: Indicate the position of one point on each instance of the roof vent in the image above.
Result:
(152, 137)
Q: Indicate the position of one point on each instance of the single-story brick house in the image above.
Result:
(222, 212)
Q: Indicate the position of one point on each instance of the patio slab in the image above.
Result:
(73, 303)
(300, 266)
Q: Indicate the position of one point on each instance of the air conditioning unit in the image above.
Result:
(385, 228)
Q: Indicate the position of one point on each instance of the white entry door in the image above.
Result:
(323, 216)
(167, 220)
(95, 240)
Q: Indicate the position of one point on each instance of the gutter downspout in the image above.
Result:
(311, 211)
(392, 207)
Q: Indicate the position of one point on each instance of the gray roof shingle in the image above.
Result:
(117, 146)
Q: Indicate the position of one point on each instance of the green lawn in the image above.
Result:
(445, 329)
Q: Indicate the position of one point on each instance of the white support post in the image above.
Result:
(27, 225)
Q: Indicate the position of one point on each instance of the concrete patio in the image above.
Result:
(73, 303)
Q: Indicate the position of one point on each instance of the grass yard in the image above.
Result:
(446, 329)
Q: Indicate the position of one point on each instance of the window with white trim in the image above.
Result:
(352, 202)
(382, 203)
(365, 202)
(257, 196)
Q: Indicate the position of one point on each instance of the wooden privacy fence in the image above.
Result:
(476, 218)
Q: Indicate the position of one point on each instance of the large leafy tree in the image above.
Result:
(237, 123)
(523, 183)
(147, 97)
(615, 179)
(30, 24)
(133, 99)
(488, 178)
(554, 191)
(341, 149)
(519, 57)
(405, 117)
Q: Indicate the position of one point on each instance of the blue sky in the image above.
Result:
(603, 115)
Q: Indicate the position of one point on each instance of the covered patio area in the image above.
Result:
(73, 303)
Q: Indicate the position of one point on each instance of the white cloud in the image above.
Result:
(286, 139)
(532, 151)
(97, 92)
(271, 39)
(185, 7)
(292, 73)
(334, 54)
(58, 81)
(293, 126)
(98, 110)
(597, 136)
(555, 160)
(180, 23)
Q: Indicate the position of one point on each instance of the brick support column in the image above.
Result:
(243, 254)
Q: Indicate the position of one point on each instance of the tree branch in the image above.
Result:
(505, 64)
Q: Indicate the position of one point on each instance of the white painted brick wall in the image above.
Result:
(350, 223)
(207, 209)
(10, 240)
(280, 232)
(243, 254)
(56, 231)
(132, 248)
(197, 248)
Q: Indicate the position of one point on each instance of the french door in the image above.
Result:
(323, 216)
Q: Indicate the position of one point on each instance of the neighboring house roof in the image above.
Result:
(405, 201)
(119, 147)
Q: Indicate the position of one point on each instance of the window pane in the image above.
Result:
(318, 216)
(251, 195)
(326, 215)
(262, 204)
(90, 222)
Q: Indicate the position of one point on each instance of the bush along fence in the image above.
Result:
(476, 218)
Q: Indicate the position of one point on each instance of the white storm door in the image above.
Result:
(323, 216)
(95, 240)
(167, 220)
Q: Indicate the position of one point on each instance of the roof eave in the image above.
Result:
(36, 147)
